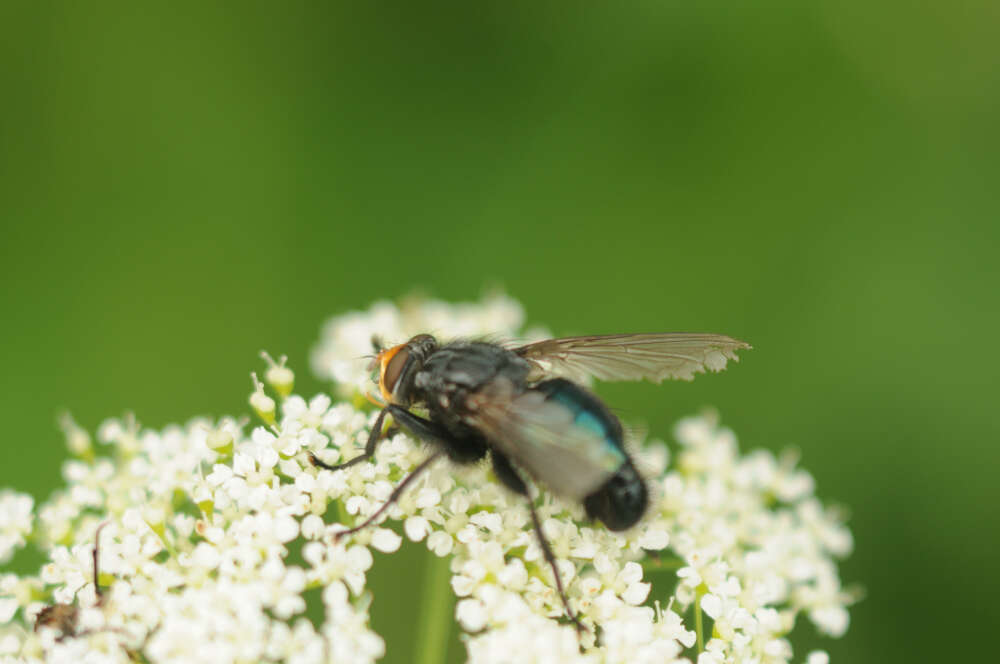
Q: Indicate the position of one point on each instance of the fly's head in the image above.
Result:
(394, 369)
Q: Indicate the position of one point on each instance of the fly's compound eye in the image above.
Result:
(391, 364)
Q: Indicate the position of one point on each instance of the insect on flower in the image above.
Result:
(63, 617)
(521, 408)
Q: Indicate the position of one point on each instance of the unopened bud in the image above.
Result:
(220, 438)
(262, 404)
(77, 439)
(278, 376)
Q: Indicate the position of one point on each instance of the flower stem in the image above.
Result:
(663, 563)
(435, 612)
(699, 627)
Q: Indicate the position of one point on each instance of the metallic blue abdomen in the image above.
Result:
(588, 411)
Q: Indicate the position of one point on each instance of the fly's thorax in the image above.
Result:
(455, 370)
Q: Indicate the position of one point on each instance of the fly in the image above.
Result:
(524, 409)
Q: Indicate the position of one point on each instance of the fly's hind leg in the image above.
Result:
(393, 497)
(509, 476)
(419, 427)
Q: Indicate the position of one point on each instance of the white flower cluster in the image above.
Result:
(15, 521)
(757, 547)
(214, 535)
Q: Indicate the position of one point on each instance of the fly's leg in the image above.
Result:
(422, 428)
(419, 427)
(393, 497)
(547, 550)
(373, 439)
(512, 480)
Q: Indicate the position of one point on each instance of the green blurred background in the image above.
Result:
(183, 185)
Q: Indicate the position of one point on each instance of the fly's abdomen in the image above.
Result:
(612, 490)
(588, 412)
(620, 499)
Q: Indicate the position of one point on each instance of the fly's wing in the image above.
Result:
(631, 356)
(543, 437)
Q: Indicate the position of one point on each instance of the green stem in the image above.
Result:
(342, 514)
(663, 563)
(436, 609)
(699, 627)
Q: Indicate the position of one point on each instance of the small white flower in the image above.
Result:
(440, 543)
(817, 657)
(654, 539)
(385, 540)
(416, 528)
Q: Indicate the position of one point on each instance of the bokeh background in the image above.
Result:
(183, 185)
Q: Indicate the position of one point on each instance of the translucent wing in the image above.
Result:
(631, 356)
(543, 438)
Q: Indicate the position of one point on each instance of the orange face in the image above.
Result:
(390, 363)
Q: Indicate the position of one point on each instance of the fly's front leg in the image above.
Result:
(507, 474)
(418, 426)
(373, 439)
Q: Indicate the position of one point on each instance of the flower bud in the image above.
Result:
(219, 440)
(77, 439)
(278, 376)
(262, 404)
